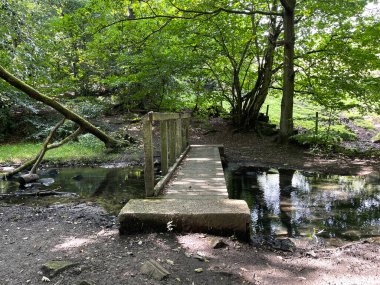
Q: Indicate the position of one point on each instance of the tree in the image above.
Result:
(286, 123)
(68, 114)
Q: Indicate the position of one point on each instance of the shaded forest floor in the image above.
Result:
(87, 236)
(83, 233)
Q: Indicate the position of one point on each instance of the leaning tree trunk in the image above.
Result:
(255, 98)
(33, 163)
(286, 121)
(70, 115)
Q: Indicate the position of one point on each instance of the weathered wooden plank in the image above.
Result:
(148, 151)
(166, 116)
(161, 184)
(164, 147)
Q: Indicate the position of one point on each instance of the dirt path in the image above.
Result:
(252, 149)
(85, 234)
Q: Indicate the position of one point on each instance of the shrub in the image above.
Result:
(324, 138)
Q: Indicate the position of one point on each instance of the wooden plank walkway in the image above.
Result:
(195, 200)
(200, 176)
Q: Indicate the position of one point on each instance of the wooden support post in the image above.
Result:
(183, 132)
(164, 147)
(148, 150)
(316, 123)
(186, 124)
(267, 112)
(178, 139)
(172, 144)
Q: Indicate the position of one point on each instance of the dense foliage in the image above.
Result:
(171, 55)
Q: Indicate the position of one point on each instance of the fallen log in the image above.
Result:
(36, 194)
(28, 178)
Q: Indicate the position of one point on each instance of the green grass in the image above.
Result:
(87, 148)
(303, 112)
(304, 115)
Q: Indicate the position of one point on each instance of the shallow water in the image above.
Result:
(282, 203)
(111, 187)
(292, 203)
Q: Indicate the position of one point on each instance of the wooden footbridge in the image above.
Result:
(192, 195)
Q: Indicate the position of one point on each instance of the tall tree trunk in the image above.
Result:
(255, 98)
(70, 115)
(286, 121)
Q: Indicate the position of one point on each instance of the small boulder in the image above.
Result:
(46, 181)
(78, 177)
(215, 242)
(54, 267)
(154, 270)
(7, 169)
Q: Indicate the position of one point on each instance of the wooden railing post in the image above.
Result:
(174, 140)
(178, 137)
(172, 144)
(185, 132)
(164, 147)
(148, 151)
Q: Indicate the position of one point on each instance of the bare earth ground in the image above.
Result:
(85, 234)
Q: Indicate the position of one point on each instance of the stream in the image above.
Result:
(282, 202)
(293, 203)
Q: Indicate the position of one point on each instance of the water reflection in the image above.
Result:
(112, 187)
(291, 203)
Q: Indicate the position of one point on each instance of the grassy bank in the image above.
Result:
(87, 149)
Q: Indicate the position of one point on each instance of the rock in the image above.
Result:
(54, 267)
(31, 185)
(7, 169)
(312, 254)
(154, 270)
(46, 181)
(200, 257)
(78, 177)
(169, 261)
(283, 244)
(216, 242)
(198, 270)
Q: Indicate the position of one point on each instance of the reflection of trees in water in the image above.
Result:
(120, 184)
(246, 187)
(334, 204)
(285, 183)
(263, 224)
(109, 185)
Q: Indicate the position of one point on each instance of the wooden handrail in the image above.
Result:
(174, 132)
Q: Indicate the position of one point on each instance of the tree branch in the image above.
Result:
(225, 10)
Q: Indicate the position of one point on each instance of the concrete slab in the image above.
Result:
(218, 216)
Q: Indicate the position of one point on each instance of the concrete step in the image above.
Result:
(219, 216)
